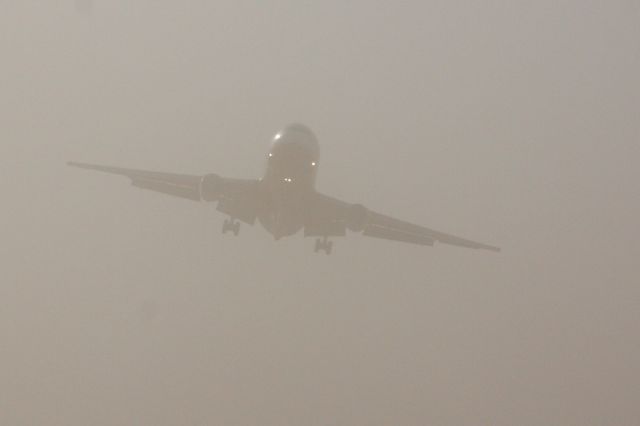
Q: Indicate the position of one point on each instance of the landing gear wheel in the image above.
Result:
(328, 247)
(324, 245)
(231, 225)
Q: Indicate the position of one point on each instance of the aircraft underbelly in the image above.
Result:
(285, 217)
(282, 223)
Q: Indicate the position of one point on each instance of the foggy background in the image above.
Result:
(511, 123)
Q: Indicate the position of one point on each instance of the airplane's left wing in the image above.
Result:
(239, 198)
(331, 217)
(178, 185)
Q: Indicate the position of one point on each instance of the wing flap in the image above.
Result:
(376, 231)
(181, 191)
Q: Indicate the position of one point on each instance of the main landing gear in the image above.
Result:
(231, 225)
(325, 245)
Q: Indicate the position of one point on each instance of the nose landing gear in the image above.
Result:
(325, 245)
(231, 225)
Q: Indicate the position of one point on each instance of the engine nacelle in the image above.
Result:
(357, 217)
(211, 187)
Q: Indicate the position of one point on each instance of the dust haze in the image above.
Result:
(516, 124)
(84, 6)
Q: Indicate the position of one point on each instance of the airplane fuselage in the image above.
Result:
(289, 179)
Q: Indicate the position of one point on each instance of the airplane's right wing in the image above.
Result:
(331, 217)
(239, 198)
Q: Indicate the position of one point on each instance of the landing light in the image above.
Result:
(314, 164)
(288, 180)
(278, 136)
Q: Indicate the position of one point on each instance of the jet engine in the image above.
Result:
(357, 217)
(211, 187)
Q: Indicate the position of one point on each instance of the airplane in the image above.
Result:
(285, 200)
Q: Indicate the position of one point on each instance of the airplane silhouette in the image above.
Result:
(285, 200)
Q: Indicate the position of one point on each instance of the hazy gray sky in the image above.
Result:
(512, 123)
